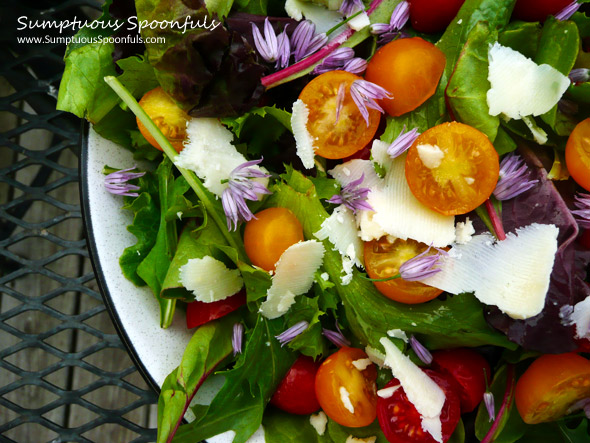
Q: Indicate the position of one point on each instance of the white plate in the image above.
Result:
(134, 311)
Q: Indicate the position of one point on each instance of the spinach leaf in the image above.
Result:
(248, 386)
(257, 7)
(468, 86)
(210, 345)
(282, 427)
(503, 142)
(522, 37)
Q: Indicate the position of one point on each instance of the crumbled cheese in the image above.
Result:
(340, 228)
(388, 392)
(379, 153)
(426, 396)
(431, 156)
(353, 170)
(347, 269)
(359, 22)
(321, 17)
(325, 276)
(361, 364)
(319, 422)
(353, 439)
(209, 279)
(375, 356)
(210, 154)
(581, 318)
(459, 21)
(345, 399)
(539, 134)
(293, 276)
(179, 215)
(464, 231)
(304, 141)
(520, 87)
(398, 333)
(512, 274)
(469, 180)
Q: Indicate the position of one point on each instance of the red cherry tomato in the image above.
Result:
(199, 313)
(537, 10)
(584, 239)
(433, 15)
(296, 392)
(401, 422)
(469, 370)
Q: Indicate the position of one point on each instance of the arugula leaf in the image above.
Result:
(237, 124)
(240, 403)
(311, 342)
(469, 85)
(456, 321)
(210, 345)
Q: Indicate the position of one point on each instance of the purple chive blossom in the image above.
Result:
(270, 47)
(304, 40)
(421, 266)
(567, 106)
(488, 400)
(423, 354)
(342, 59)
(351, 7)
(353, 196)
(365, 93)
(513, 178)
(582, 211)
(289, 334)
(399, 18)
(339, 101)
(236, 340)
(403, 142)
(336, 337)
(241, 188)
(567, 12)
(579, 75)
(355, 66)
(117, 182)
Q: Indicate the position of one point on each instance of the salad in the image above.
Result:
(373, 214)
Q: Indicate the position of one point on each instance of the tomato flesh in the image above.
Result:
(402, 423)
(577, 154)
(537, 10)
(268, 235)
(410, 69)
(167, 116)
(550, 385)
(469, 370)
(296, 392)
(383, 258)
(433, 15)
(199, 313)
(338, 378)
(347, 135)
(463, 178)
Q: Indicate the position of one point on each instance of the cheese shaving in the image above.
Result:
(345, 399)
(398, 333)
(340, 228)
(304, 142)
(388, 392)
(362, 363)
(209, 279)
(319, 422)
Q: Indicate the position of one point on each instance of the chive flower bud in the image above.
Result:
(118, 182)
(423, 354)
(290, 334)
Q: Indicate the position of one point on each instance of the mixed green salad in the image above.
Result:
(372, 213)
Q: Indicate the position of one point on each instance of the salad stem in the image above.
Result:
(506, 402)
(190, 176)
(495, 220)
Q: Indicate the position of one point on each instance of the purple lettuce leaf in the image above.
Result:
(544, 204)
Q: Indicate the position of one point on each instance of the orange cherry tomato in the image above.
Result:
(268, 235)
(166, 114)
(551, 385)
(383, 259)
(577, 154)
(336, 139)
(410, 69)
(458, 180)
(341, 387)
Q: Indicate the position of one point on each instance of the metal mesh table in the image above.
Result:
(64, 373)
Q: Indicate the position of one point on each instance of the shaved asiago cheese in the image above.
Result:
(379, 153)
(210, 154)
(464, 231)
(359, 22)
(304, 142)
(388, 392)
(423, 392)
(353, 170)
(431, 156)
(399, 334)
(293, 276)
(345, 399)
(399, 213)
(340, 228)
(581, 318)
(209, 279)
(539, 134)
(319, 422)
(362, 363)
(375, 356)
(512, 274)
(323, 19)
(520, 87)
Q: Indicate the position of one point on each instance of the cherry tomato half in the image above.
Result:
(341, 388)
(452, 168)
(537, 10)
(199, 313)
(402, 423)
(433, 15)
(383, 259)
(296, 392)
(268, 235)
(577, 154)
(166, 114)
(350, 133)
(409, 68)
(469, 370)
(550, 385)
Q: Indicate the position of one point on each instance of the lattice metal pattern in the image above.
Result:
(64, 373)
